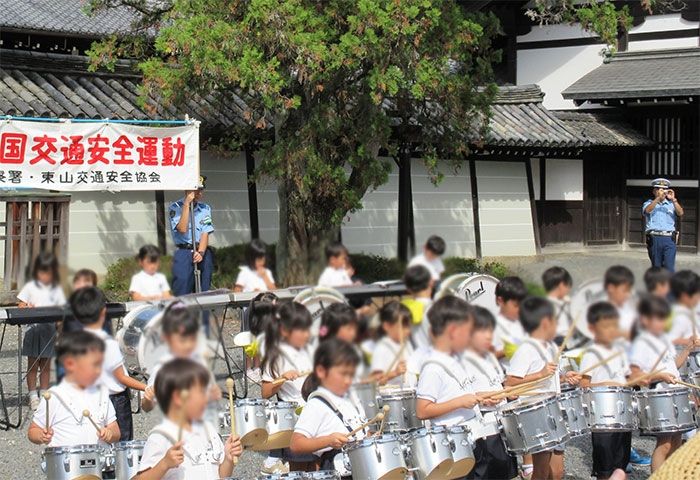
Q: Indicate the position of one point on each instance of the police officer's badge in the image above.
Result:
(172, 213)
(205, 221)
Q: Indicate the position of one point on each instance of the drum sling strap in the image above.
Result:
(325, 462)
(543, 354)
(496, 366)
(451, 374)
(595, 352)
(165, 434)
(68, 406)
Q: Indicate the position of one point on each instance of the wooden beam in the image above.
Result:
(252, 192)
(533, 206)
(160, 221)
(405, 230)
(475, 206)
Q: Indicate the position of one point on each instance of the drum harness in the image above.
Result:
(326, 461)
(68, 405)
(543, 354)
(594, 350)
(210, 455)
(648, 341)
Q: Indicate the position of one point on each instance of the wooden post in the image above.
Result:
(252, 192)
(405, 231)
(9, 228)
(475, 206)
(533, 206)
(160, 221)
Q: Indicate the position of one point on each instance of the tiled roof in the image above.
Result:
(657, 74)
(66, 16)
(50, 85)
(604, 130)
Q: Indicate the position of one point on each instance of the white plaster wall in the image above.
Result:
(564, 179)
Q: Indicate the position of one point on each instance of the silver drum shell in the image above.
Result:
(533, 425)
(250, 421)
(366, 394)
(401, 416)
(574, 412)
(377, 458)
(127, 456)
(462, 453)
(665, 411)
(431, 453)
(610, 409)
(67, 463)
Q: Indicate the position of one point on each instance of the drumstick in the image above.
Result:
(229, 385)
(643, 377)
(385, 410)
(566, 339)
(522, 389)
(511, 388)
(377, 418)
(396, 359)
(183, 398)
(691, 385)
(282, 379)
(602, 362)
(47, 397)
(86, 413)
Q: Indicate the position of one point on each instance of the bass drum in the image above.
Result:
(316, 299)
(475, 288)
(141, 342)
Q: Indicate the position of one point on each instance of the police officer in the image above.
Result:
(660, 214)
(186, 256)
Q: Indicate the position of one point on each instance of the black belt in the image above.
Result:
(660, 233)
(188, 246)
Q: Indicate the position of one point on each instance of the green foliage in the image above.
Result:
(375, 268)
(535, 289)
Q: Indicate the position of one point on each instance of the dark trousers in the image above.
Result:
(662, 252)
(122, 405)
(493, 462)
(183, 276)
(611, 450)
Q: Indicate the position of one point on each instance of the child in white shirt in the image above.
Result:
(254, 277)
(485, 374)
(509, 332)
(433, 249)
(89, 307)
(329, 414)
(685, 286)
(335, 274)
(419, 285)
(557, 282)
(81, 354)
(650, 345)
(149, 284)
(618, 283)
(339, 320)
(182, 446)
(534, 360)
(388, 352)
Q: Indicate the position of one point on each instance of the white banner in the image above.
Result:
(98, 156)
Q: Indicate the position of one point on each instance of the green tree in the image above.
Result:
(327, 86)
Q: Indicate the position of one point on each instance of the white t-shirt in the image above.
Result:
(531, 357)
(250, 281)
(682, 325)
(443, 379)
(420, 333)
(646, 349)
(435, 266)
(113, 359)
(149, 285)
(204, 451)
(291, 359)
(67, 404)
(628, 316)
(562, 310)
(317, 419)
(485, 373)
(332, 277)
(39, 295)
(384, 353)
(506, 330)
(615, 370)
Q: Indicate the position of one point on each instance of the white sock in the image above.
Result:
(33, 393)
(527, 468)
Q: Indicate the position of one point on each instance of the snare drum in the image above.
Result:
(575, 414)
(532, 425)
(462, 454)
(250, 421)
(281, 476)
(377, 458)
(280, 420)
(401, 416)
(67, 463)
(665, 411)
(322, 475)
(431, 453)
(127, 456)
(366, 394)
(610, 409)
(691, 365)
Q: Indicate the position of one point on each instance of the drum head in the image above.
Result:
(276, 441)
(316, 299)
(450, 285)
(475, 288)
(461, 468)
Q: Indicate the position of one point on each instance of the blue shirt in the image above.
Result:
(202, 220)
(662, 218)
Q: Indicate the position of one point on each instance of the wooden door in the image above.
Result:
(604, 196)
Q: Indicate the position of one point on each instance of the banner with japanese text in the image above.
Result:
(78, 156)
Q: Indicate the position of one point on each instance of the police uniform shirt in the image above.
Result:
(202, 220)
(615, 370)
(682, 323)
(384, 353)
(291, 359)
(113, 359)
(442, 379)
(250, 281)
(646, 349)
(66, 418)
(662, 218)
(531, 357)
(204, 451)
(317, 419)
(149, 285)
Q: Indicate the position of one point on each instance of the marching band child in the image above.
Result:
(339, 320)
(433, 249)
(509, 331)
(200, 453)
(419, 286)
(653, 343)
(38, 345)
(394, 347)
(485, 374)
(685, 286)
(254, 276)
(444, 394)
(287, 356)
(180, 327)
(335, 274)
(81, 354)
(658, 281)
(534, 360)
(89, 307)
(149, 283)
(618, 283)
(557, 281)
(611, 450)
(329, 413)
(260, 312)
